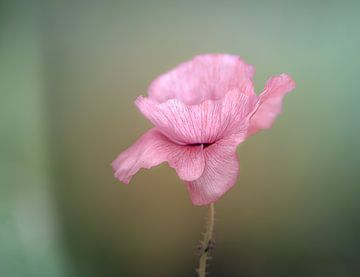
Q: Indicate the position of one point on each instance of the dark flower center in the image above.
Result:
(198, 144)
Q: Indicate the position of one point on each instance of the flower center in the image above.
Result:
(198, 144)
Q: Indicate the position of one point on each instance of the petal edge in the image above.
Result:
(152, 149)
(205, 77)
(270, 102)
(220, 173)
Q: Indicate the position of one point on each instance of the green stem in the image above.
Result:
(207, 243)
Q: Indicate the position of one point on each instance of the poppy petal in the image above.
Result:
(206, 122)
(220, 173)
(205, 77)
(152, 149)
(270, 102)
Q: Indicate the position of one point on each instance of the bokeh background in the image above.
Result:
(69, 74)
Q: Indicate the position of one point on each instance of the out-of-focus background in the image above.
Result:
(69, 74)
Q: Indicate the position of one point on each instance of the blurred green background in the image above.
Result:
(69, 74)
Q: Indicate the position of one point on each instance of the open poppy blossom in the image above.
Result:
(202, 110)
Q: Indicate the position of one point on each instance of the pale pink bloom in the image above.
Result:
(201, 111)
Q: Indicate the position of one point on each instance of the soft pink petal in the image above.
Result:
(154, 148)
(220, 173)
(204, 77)
(270, 102)
(206, 122)
(188, 161)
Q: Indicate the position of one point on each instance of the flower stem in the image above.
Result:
(208, 242)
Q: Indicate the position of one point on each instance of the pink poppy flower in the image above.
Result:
(202, 110)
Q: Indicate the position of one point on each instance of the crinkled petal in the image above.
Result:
(188, 161)
(205, 77)
(206, 122)
(220, 173)
(270, 102)
(152, 149)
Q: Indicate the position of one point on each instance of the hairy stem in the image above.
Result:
(208, 242)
